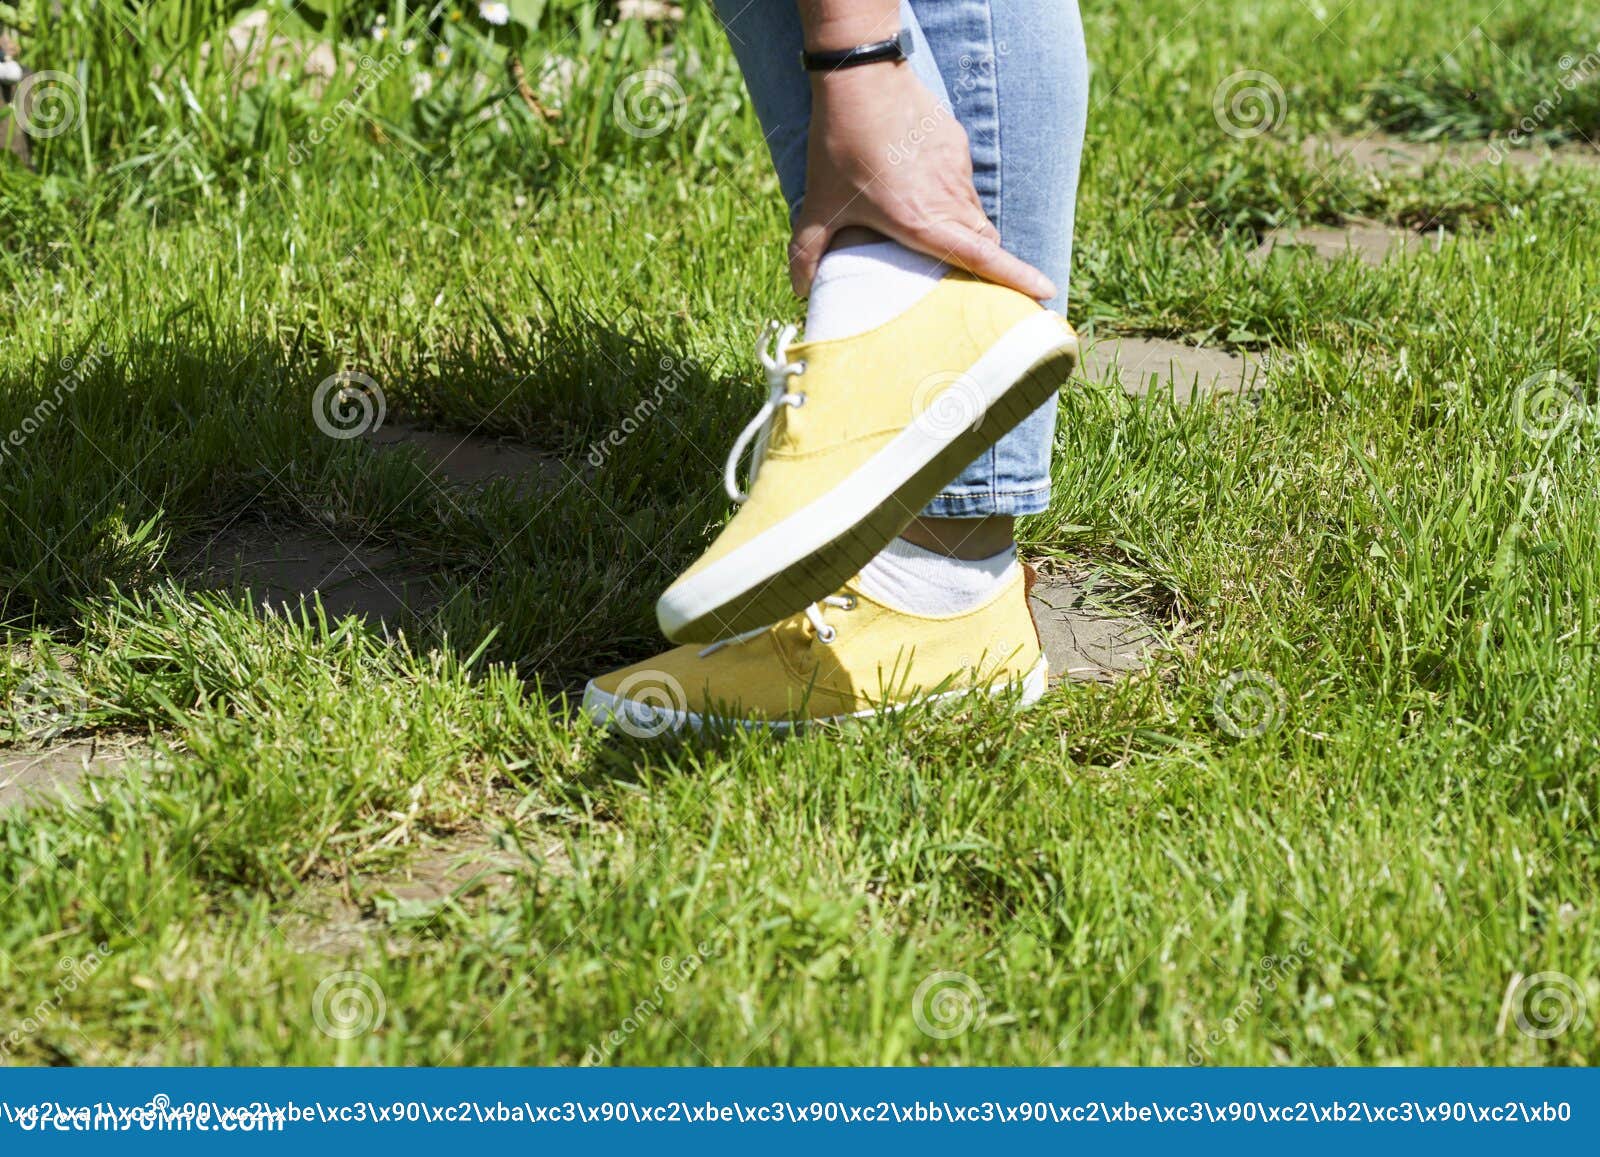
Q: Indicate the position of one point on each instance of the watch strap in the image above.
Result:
(897, 47)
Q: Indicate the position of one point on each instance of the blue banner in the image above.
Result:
(798, 1110)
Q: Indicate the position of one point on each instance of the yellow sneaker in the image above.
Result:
(857, 435)
(846, 658)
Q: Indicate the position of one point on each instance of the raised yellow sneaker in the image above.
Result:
(857, 435)
(847, 657)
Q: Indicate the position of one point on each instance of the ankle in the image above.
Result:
(964, 538)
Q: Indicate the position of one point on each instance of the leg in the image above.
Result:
(911, 623)
(1017, 76)
(1014, 73)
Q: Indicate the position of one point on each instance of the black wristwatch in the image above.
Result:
(897, 47)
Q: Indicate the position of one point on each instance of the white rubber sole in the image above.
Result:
(647, 720)
(816, 549)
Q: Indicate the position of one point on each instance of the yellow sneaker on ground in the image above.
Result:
(847, 657)
(857, 435)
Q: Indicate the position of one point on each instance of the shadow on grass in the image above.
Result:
(539, 492)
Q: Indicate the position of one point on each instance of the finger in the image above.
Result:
(969, 248)
(809, 243)
(977, 219)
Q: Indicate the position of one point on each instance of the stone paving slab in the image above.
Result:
(472, 459)
(280, 566)
(37, 775)
(1141, 364)
(1086, 645)
(1368, 242)
(1383, 154)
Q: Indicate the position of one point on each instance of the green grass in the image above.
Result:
(1375, 542)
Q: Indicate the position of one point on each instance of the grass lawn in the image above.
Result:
(1349, 815)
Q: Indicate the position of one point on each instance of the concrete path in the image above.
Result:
(471, 459)
(1383, 154)
(1085, 645)
(36, 776)
(1142, 364)
(1368, 242)
(281, 566)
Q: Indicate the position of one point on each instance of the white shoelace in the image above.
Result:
(825, 633)
(775, 360)
(774, 356)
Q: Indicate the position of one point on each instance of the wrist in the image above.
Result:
(847, 30)
(861, 84)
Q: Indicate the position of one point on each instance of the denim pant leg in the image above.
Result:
(1015, 74)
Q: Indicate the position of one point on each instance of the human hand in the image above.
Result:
(884, 155)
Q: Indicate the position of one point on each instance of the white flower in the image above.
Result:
(494, 11)
(421, 85)
(379, 33)
(408, 46)
(441, 56)
(648, 10)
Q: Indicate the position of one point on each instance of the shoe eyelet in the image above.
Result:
(849, 603)
(827, 635)
(799, 400)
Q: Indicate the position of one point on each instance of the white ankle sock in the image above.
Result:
(859, 288)
(909, 578)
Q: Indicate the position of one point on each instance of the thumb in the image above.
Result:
(806, 249)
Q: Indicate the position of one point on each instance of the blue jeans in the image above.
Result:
(1015, 74)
